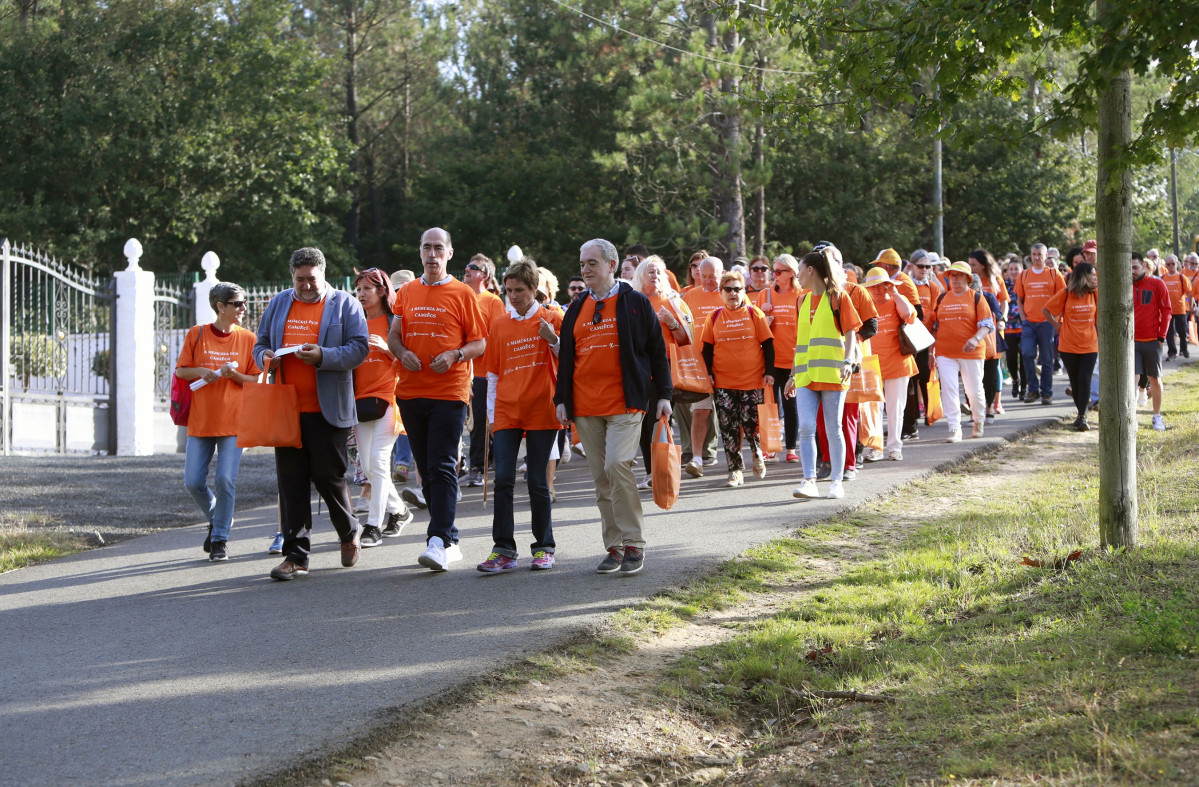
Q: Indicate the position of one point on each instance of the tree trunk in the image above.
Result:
(760, 162)
(352, 215)
(725, 112)
(1117, 414)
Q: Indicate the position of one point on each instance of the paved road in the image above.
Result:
(142, 663)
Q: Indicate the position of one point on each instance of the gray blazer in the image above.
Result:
(343, 341)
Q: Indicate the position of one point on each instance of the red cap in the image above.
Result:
(1090, 245)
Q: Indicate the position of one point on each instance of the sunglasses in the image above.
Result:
(733, 289)
(576, 288)
(599, 313)
(473, 267)
(781, 271)
(236, 304)
(759, 268)
(923, 266)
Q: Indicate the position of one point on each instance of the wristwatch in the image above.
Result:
(461, 355)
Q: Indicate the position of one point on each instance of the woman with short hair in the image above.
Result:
(738, 349)
(220, 354)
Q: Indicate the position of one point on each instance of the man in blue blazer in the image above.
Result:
(324, 333)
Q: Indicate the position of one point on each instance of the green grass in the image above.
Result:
(22, 546)
(1002, 671)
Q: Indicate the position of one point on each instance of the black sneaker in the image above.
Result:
(397, 522)
(611, 563)
(823, 470)
(217, 551)
(1031, 397)
(912, 435)
(1046, 400)
(633, 561)
(371, 536)
(208, 540)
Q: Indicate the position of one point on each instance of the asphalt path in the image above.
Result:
(143, 663)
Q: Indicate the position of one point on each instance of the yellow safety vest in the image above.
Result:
(819, 346)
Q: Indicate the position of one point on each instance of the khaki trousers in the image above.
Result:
(611, 444)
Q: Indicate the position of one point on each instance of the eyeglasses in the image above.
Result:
(781, 271)
(918, 265)
(236, 304)
(599, 313)
(733, 289)
(759, 268)
(473, 267)
(576, 288)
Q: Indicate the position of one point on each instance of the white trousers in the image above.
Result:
(971, 371)
(375, 442)
(895, 401)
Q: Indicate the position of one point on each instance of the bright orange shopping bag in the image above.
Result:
(270, 414)
(866, 385)
(768, 424)
(665, 464)
(932, 408)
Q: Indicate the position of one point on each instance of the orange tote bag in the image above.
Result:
(769, 428)
(270, 414)
(932, 408)
(665, 464)
(866, 385)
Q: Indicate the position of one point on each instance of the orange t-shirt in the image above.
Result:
(376, 376)
(491, 307)
(1035, 290)
(216, 408)
(850, 320)
(1179, 289)
(928, 297)
(527, 370)
(784, 308)
(437, 318)
(736, 336)
(905, 286)
(303, 326)
(1077, 316)
(680, 311)
(885, 344)
(957, 319)
(702, 303)
(1001, 295)
(1193, 280)
(598, 379)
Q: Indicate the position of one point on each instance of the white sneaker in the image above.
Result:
(694, 468)
(895, 456)
(872, 455)
(977, 430)
(578, 448)
(453, 553)
(413, 497)
(759, 467)
(363, 505)
(835, 490)
(645, 484)
(434, 556)
(955, 436)
(735, 478)
(566, 452)
(806, 490)
(1142, 398)
(1159, 423)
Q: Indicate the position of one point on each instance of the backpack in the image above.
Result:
(181, 392)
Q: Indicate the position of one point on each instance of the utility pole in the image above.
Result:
(1174, 195)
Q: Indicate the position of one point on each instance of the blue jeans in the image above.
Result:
(218, 507)
(506, 443)
(402, 454)
(809, 402)
(435, 430)
(1034, 337)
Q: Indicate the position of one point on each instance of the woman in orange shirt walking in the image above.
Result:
(1072, 312)
(220, 354)
(374, 396)
(780, 303)
(739, 351)
(522, 371)
(962, 321)
(893, 309)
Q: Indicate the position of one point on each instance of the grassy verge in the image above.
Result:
(1002, 671)
(22, 545)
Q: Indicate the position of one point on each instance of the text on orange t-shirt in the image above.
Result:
(1077, 316)
(303, 326)
(736, 336)
(436, 319)
(957, 318)
(527, 372)
(598, 380)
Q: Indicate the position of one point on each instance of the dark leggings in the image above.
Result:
(1015, 365)
(991, 381)
(1079, 367)
(790, 408)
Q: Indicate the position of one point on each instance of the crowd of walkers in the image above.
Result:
(811, 361)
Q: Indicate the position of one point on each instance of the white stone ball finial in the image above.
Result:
(210, 262)
(133, 253)
(515, 254)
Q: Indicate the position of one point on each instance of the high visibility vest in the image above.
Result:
(819, 346)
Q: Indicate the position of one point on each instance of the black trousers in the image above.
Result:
(1079, 368)
(991, 381)
(917, 383)
(1178, 325)
(478, 434)
(1015, 366)
(321, 462)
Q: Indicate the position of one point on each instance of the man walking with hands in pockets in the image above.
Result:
(612, 369)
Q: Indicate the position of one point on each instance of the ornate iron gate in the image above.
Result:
(173, 315)
(57, 370)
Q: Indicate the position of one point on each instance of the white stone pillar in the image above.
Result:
(135, 356)
(204, 312)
